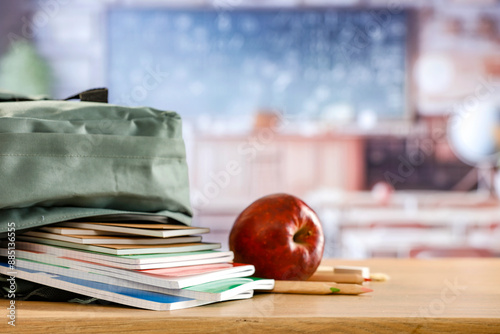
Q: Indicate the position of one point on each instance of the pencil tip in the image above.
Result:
(366, 289)
(334, 290)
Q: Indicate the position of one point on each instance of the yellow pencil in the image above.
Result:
(318, 288)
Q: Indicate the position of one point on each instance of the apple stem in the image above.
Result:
(301, 234)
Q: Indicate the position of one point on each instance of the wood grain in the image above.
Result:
(422, 296)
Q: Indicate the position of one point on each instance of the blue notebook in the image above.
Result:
(121, 295)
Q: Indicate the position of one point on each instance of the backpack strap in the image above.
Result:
(91, 95)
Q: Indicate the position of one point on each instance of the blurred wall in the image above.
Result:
(11, 22)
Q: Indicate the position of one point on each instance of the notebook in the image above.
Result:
(172, 278)
(126, 249)
(117, 294)
(153, 230)
(41, 256)
(113, 240)
(220, 290)
(173, 259)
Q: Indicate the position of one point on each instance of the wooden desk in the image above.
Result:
(423, 296)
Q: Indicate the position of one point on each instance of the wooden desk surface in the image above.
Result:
(423, 296)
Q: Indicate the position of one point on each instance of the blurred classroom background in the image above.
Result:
(381, 115)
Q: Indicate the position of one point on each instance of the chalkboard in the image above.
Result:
(235, 62)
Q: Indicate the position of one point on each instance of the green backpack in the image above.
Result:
(67, 160)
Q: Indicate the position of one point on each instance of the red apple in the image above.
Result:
(280, 235)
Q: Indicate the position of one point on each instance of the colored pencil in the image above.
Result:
(318, 288)
(337, 278)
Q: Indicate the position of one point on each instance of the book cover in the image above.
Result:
(39, 254)
(113, 240)
(126, 249)
(153, 230)
(171, 280)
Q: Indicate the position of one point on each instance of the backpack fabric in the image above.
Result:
(67, 160)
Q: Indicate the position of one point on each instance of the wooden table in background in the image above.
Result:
(423, 296)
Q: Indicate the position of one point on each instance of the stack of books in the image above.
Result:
(150, 266)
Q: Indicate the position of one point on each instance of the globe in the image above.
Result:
(473, 133)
